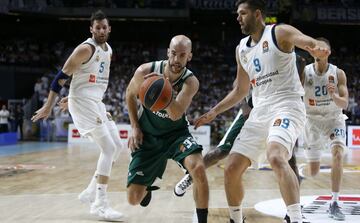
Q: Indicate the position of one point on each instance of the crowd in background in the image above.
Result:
(213, 63)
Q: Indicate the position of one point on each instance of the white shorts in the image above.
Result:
(323, 134)
(281, 123)
(87, 114)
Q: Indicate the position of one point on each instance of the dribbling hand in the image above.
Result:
(205, 118)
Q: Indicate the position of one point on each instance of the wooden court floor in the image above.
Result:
(43, 186)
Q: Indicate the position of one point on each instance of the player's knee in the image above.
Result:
(337, 153)
(134, 196)
(276, 162)
(198, 172)
(232, 169)
(110, 150)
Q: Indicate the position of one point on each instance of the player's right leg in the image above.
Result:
(235, 167)
(88, 195)
(102, 137)
(214, 155)
(148, 163)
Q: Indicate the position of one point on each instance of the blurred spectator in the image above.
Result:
(4, 119)
(356, 113)
(19, 119)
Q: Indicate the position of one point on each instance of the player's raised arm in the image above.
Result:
(80, 55)
(288, 36)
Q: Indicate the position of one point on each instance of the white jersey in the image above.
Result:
(318, 102)
(92, 79)
(273, 73)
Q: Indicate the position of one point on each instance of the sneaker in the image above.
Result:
(287, 219)
(146, 200)
(335, 212)
(183, 185)
(102, 209)
(232, 221)
(87, 197)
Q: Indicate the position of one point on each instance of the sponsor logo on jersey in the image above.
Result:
(124, 134)
(243, 57)
(108, 115)
(356, 137)
(253, 82)
(75, 133)
(264, 79)
(161, 115)
(92, 78)
(311, 102)
(310, 82)
(265, 46)
(277, 122)
(332, 136)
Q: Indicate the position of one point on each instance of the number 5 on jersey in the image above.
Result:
(101, 69)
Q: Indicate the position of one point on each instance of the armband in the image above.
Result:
(55, 86)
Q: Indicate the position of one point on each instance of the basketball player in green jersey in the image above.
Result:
(159, 136)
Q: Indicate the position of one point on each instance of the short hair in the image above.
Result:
(254, 5)
(98, 15)
(324, 40)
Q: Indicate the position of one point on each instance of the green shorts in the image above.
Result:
(149, 161)
(227, 141)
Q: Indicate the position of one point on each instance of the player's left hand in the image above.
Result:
(43, 113)
(205, 118)
(318, 52)
(331, 89)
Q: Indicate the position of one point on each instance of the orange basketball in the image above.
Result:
(155, 93)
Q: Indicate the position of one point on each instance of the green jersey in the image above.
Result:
(158, 123)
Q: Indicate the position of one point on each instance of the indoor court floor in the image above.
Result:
(40, 181)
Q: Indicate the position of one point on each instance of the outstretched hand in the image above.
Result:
(43, 113)
(318, 52)
(205, 118)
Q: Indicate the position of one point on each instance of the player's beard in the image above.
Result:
(100, 40)
(176, 68)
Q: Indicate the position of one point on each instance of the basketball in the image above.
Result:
(155, 93)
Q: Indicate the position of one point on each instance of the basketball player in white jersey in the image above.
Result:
(89, 65)
(266, 60)
(326, 95)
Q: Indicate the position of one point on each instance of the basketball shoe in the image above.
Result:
(102, 209)
(335, 212)
(87, 197)
(183, 185)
